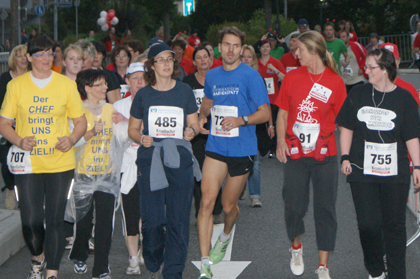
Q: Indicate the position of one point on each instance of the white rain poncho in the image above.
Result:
(98, 160)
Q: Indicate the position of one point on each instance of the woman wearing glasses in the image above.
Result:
(168, 111)
(42, 157)
(379, 122)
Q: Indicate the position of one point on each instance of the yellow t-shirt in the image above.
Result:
(95, 158)
(44, 113)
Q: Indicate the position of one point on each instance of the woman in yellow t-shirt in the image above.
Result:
(42, 157)
(97, 177)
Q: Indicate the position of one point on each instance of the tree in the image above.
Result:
(267, 11)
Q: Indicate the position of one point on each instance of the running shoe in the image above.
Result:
(205, 272)
(91, 245)
(323, 272)
(36, 270)
(256, 203)
(218, 252)
(380, 277)
(140, 255)
(133, 265)
(69, 242)
(296, 263)
(79, 267)
(103, 276)
(52, 277)
(155, 275)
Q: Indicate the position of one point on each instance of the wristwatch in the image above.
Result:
(245, 118)
(416, 167)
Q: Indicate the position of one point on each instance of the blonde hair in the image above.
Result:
(141, 57)
(22, 49)
(315, 43)
(76, 49)
(254, 56)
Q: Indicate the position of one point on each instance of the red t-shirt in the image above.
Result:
(289, 61)
(417, 41)
(306, 105)
(187, 65)
(188, 53)
(194, 41)
(216, 63)
(271, 79)
(409, 87)
(353, 36)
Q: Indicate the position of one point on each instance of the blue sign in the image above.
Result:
(63, 3)
(40, 10)
(188, 7)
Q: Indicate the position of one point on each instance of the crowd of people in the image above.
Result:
(158, 127)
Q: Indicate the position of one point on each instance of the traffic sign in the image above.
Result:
(76, 3)
(189, 7)
(3, 14)
(63, 3)
(40, 10)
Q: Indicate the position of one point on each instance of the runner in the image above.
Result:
(353, 74)
(374, 159)
(121, 58)
(237, 99)
(72, 61)
(43, 141)
(213, 61)
(201, 58)
(129, 191)
(290, 60)
(309, 99)
(335, 46)
(58, 49)
(168, 111)
(277, 43)
(348, 26)
(178, 47)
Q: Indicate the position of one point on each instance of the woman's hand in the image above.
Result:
(146, 141)
(346, 167)
(64, 144)
(201, 122)
(281, 151)
(99, 126)
(416, 179)
(27, 143)
(271, 67)
(264, 37)
(189, 134)
(271, 132)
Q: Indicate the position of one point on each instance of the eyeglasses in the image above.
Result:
(370, 67)
(100, 84)
(44, 54)
(162, 60)
(121, 56)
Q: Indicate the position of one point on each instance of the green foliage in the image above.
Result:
(71, 39)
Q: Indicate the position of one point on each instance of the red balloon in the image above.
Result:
(109, 24)
(269, 29)
(111, 14)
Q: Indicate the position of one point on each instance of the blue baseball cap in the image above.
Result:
(155, 40)
(157, 49)
(302, 22)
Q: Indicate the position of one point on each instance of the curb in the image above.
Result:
(11, 238)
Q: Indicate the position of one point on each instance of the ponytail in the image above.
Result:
(329, 62)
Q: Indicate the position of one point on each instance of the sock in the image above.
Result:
(297, 247)
(323, 265)
(223, 237)
(205, 260)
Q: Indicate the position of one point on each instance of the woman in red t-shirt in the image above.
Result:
(310, 97)
(350, 28)
(178, 47)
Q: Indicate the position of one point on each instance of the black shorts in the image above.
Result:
(236, 165)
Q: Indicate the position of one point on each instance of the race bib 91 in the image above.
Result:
(166, 122)
(19, 161)
(218, 113)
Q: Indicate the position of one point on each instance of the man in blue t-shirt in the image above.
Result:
(237, 100)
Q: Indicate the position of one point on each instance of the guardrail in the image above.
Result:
(4, 62)
(403, 41)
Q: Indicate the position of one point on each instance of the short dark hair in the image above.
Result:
(329, 23)
(100, 47)
(344, 31)
(117, 51)
(204, 44)
(150, 76)
(386, 61)
(182, 44)
(232, 30)
(39, 43)
(59, 44)
(88, 77)
(197, 49)
(136, 45)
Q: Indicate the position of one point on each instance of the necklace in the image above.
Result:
(319, 77)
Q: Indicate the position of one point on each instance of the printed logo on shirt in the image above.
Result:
(377, 119)
(227, 89)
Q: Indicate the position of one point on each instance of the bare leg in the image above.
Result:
(297, 241)
(323, 257)
(132, 243)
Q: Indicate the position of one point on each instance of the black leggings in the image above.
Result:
(33, 189)
(7, 175)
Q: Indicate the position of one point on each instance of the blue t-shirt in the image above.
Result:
(244, 89)
(180, 96)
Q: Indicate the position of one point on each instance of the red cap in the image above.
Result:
(392, 48)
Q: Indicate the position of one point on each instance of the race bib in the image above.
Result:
(166, 122)
(270, 85)
(348, 71)
(381, 159)
(19, 161)
(123, 90)
(218, 113)
(307, 134)
(320, 92)
(288, 69)
(199, 95)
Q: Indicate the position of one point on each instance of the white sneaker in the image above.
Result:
(323, 272)
(133, 265)
(140, 255)
(69, 243)
(37, 270)
(380, 277)
(296, 263)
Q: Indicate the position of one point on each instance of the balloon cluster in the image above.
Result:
(107, 19)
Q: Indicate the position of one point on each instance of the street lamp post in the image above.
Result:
(321, 6)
